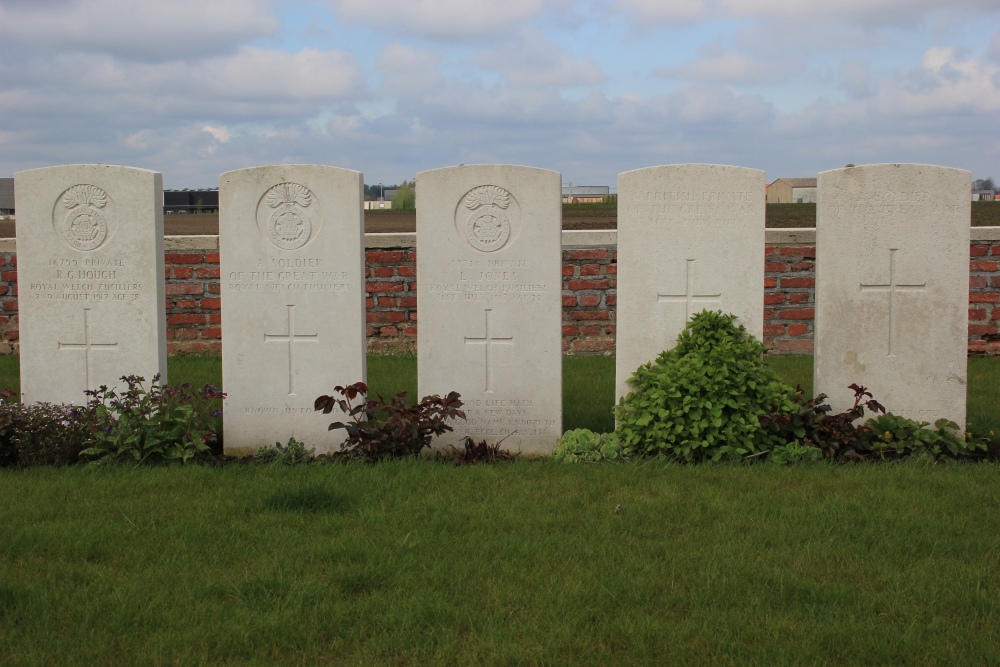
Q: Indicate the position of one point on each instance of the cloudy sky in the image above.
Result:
(589, 88)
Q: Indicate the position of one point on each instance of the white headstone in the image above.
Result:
(291, 245)
(690, 238)
(489, 266)
(90, 279)
(892, 288)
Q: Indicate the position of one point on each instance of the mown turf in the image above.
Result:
(416, 563)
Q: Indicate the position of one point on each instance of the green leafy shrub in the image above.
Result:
(43, 434)
(380, 429)
(702, 399)
(293, 453)
(895, 437)
(172, 424)
(584, 446)
(840, 436)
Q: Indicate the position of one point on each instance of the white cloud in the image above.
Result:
(855, 78)
(220, 133)
(895, 12)
(194, 98)
(531, 60)
(179, 29)
(943, 84)
(871, 13)
(730, 67)
(274, 79)
(406, 70)
(308, 74)
(993, 51)
(451, 20)
(660, 12)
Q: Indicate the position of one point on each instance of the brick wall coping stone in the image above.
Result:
(570, 238)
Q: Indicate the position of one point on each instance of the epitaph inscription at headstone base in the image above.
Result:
(690, 238)
(892, 281)
(90, 279)
(489, 251)
(291, 242)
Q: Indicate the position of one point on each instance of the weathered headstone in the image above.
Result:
(690, 238)
(490, 301)
(90, 279)
(892, 287)
(291, 242)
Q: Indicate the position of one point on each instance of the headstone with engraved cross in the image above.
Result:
(490, 301)
(892, 280)
(90, 279)
(291, 242)
(690, 238)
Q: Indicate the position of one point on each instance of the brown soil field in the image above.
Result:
(207, 224)
(984, 214)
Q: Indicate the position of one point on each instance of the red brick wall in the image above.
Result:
(589, 298)
(391, 302)
(789, 297)
(984, 297)
(194, 309)
(590, 279)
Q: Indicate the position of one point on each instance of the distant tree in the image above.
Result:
(375, 190)
(405, 196)
(984, 184)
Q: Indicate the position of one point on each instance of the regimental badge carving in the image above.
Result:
(290, 224)
(495, 217)
(89, 220)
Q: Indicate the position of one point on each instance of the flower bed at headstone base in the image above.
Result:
(194, 313)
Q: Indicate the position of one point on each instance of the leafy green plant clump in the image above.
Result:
(294, 453)
(702, 399)
(42, 433)
(380, 429)
(884, 437)
(584, 446)
(172, 424)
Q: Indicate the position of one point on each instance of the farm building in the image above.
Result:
(584, 194)
(191, 201)
(6, 196)
(792, 191)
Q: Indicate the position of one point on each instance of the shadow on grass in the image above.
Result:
(309, 499)
(9, 599)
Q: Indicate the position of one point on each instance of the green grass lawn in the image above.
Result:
(419, 563)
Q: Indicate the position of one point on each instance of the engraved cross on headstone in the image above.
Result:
(891, 287)
(689, 296)
(88, 346)
(291, 338)
(488, 341)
